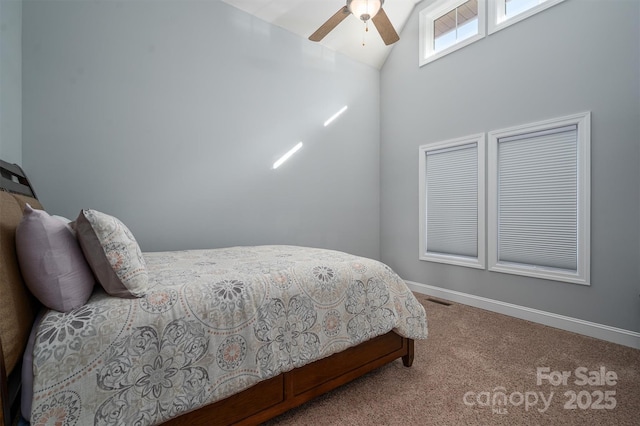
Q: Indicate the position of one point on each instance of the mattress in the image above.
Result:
(214, 323)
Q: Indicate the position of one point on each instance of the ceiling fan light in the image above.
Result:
(364, 9)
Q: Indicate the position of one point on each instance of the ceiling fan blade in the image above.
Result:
(385, 28)
(330, 24)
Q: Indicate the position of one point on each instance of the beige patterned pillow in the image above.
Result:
(113, 254)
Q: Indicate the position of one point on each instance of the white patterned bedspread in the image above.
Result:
(215, 323)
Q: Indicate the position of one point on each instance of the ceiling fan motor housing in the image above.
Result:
(364, 9)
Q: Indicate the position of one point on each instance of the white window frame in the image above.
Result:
(430, 14)
(582, 273)
(498, 21)
(478, 262)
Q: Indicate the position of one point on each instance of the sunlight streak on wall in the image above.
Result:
(334, 116)
(287, 155)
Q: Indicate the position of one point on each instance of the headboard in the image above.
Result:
(18, 307)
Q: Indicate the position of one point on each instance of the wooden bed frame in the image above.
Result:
(257, 404)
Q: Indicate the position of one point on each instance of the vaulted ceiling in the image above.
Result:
(303, 17)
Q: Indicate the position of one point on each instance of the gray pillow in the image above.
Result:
(51, 262)
(113, 254)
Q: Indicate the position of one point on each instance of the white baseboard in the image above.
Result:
(591, 329)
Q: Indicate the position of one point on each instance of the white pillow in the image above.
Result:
(51, 262)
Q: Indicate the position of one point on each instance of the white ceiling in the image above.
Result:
(303, 17)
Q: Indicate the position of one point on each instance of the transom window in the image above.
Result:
(515, 7)
(456, 25)
(503, 13)
(448, 25)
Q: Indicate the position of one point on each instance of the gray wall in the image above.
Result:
(556, 63)
(169, 115)
(11, 81)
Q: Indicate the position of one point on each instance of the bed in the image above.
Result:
(222, 336)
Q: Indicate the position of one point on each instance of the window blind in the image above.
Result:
(537, 198)
(452, 200)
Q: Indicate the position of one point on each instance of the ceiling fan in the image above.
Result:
(364, 10)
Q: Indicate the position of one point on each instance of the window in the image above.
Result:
(452, 202)
(503, 13)
(448, 25)
(539, 192)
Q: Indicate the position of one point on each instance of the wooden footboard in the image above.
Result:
(288, 390)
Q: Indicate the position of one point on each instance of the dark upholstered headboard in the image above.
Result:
(18, 307)
(13, 179)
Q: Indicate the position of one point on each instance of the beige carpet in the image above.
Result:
(479, 354)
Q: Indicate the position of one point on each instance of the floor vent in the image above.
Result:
(440, 302)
